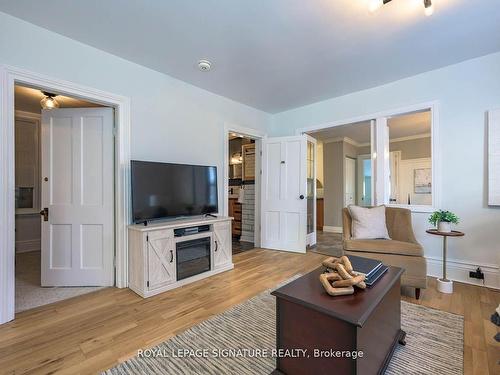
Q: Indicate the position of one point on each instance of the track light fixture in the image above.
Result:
(376, 4)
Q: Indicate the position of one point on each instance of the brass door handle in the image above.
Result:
(45, 214)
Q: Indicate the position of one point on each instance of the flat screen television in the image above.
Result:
(166, 190)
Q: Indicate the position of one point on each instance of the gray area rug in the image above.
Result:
(434, 343)
(29, 293)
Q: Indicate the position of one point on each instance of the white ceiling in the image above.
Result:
(28, 99)
(279, 54)
(410, 125)
(401, 126)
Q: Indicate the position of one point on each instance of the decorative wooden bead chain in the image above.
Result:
(343, 279)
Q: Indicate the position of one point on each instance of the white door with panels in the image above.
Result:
(77, 202)
(284, 191)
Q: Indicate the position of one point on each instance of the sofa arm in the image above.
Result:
(346, 223)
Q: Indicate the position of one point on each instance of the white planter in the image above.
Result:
(444, 227)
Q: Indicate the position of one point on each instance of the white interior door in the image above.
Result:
(349, 181)
(77, 193)
(284, 191)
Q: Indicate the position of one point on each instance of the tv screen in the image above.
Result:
(165, 190)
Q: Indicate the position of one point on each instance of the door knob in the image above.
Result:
(45, 214)
(301, 196)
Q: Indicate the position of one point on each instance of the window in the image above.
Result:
(396, 159)
(311, 185)
(409, 181)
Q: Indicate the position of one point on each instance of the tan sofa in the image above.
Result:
(402, 250)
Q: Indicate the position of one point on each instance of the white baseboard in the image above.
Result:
(459, 271)
(27, 246)
(330, 229)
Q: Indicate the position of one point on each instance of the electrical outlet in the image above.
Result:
(477, 274)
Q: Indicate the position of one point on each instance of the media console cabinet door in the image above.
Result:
(222, 246)
(161, 260)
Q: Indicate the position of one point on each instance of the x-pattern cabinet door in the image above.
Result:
(161, 258)
(222, 244)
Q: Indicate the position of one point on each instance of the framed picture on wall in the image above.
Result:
(422, 181)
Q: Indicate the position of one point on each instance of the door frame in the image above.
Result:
(258, 136)
(9, 76)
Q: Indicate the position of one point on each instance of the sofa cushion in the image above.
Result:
(368, 223)
(384, 247)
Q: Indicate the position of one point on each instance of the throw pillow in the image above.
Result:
(368, 223)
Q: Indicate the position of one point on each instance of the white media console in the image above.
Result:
(169, 254)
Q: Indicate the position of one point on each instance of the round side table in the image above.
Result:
(444, 285)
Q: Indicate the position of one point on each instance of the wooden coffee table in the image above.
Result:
(308, 318)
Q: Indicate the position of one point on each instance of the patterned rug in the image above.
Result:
(434, 344)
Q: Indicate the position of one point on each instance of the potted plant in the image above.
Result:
(443, 220)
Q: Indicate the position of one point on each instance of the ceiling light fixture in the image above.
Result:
(374, 5)
(428, 7)
(48, 102)
(204, 65)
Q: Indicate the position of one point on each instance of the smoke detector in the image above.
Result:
(204, 65)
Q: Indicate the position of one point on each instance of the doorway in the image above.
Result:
(364, 180)
(241, 200)
(344, 177)
(9, 76)
(65, 252)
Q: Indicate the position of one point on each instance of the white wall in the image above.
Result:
(177, 122)
(170, 119)
(465, 93)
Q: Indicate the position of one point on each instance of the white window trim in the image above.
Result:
(381, 166)
(435, 162)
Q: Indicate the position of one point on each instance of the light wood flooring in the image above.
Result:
(91, 333)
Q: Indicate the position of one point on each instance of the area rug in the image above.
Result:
(227, 343)
(29, 293)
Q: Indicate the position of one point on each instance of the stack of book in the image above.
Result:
(371, 268)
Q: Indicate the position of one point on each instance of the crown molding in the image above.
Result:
(358, 144)
(410, 137)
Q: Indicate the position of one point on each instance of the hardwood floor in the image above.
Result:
(96, 331)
